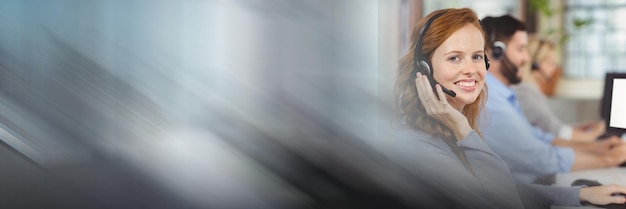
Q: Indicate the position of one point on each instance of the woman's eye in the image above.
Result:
(478, 57)
(454, 59)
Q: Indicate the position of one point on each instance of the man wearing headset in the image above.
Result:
(531, 154)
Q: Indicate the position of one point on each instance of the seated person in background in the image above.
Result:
(530, 153)
(438, 141)
(541, 70)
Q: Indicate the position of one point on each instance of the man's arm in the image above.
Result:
(595, 147)
(615, 157)
(512, 138)
(599, 154)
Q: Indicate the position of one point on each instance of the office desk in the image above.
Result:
(604, 176)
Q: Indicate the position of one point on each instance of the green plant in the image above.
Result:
(546, 10)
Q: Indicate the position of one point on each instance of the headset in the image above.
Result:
(498, 48)
(535, 65)
(421, 63)
(498, 52)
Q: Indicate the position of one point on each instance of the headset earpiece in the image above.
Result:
(498, 49)
(535, 66)
(424, 67)
(420, 60)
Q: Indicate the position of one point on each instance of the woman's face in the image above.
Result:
(548, 64)
(459, 65)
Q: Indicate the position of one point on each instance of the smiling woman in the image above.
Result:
(440, 30)
(459, 63)
(438, 139)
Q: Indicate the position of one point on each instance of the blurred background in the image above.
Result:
(184, 104)
(234, 103)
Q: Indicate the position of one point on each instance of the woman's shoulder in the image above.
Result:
(412, 135)
(417, 141)
(526, 88)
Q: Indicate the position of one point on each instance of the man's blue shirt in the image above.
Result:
(527, 150)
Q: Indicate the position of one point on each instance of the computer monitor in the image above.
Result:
(613, 108)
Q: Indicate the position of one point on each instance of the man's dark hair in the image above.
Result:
(501, 28)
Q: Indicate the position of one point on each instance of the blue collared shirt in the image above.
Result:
(527, 150)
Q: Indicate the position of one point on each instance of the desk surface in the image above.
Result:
(616, 175)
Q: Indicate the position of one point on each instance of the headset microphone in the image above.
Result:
(447, 91)
(535, 64)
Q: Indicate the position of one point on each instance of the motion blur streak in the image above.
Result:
(197, 103)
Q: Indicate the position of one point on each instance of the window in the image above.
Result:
(482, 8)
(600, 46)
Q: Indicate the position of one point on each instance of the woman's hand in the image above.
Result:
(439, 108)
(603, 195)
(602, 147)
(597, 127)
(616, 156)
(588, 132)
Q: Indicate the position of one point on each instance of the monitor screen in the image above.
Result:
(614, 102)
(618, 104)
